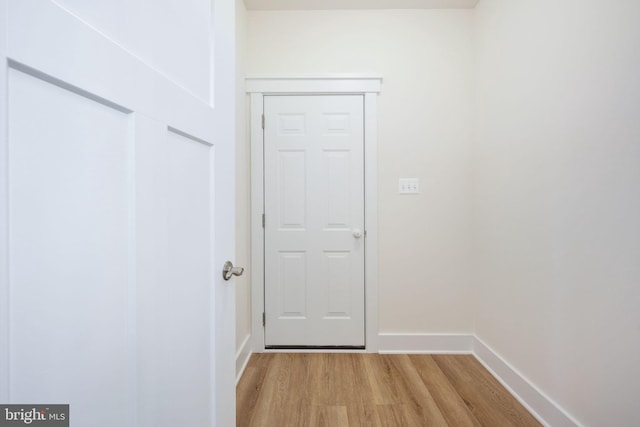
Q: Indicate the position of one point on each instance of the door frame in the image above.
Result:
(367, 85)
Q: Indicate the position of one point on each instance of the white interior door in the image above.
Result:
(314, 221)
(112, 163)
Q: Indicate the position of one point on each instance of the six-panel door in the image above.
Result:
(314, 221)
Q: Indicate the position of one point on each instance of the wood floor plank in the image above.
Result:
(363, 415)
(395, 415)
(300, 391)
(337, 387)
(481, 406)
(329, 416)
(361, 409)
(249, 388)
(373, 390)
(271, 405)
(413, 392)
(451, 405)
(485, 397)
(383, 384)
(516, 412)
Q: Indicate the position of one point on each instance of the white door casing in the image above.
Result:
(260, 87)
(116, 175)
(314, 220)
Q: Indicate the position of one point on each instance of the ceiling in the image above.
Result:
(357, 4)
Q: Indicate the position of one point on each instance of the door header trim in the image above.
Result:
(328, 84)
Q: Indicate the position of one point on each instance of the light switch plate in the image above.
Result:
(409, 186)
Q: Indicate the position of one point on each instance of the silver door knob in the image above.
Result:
(229, 270)
(357, 233)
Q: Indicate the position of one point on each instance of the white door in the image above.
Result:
(112, 161)
(314, 221)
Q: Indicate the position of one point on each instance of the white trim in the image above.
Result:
(541, 406)
(242, 357)
(337, 83)
(371, 219)
(426, 343)
(335, 76)
(257, 234)
(307, 5)
(364, 84)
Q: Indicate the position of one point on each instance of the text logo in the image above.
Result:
(34, 415)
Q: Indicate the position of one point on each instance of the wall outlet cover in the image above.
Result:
(408, 186)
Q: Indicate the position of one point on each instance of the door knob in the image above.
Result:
(357, 233)
(229, 270)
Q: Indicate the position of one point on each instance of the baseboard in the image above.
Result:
(425, 343)
(242, 357)
(540, 405)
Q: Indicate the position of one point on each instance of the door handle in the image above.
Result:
(229, 270)
(357, 233)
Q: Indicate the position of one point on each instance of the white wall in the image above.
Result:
(557, 199)
(243, 182)
(424, 131)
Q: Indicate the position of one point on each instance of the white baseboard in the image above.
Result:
(425, 343)
(540, 405)
(242, 357)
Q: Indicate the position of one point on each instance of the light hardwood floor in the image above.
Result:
(358, 389)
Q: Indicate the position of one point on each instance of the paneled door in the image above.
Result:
(314, 221)
(115, 211)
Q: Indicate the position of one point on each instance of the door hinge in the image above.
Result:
(264, 319)
(263, 221)
(263, 121)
